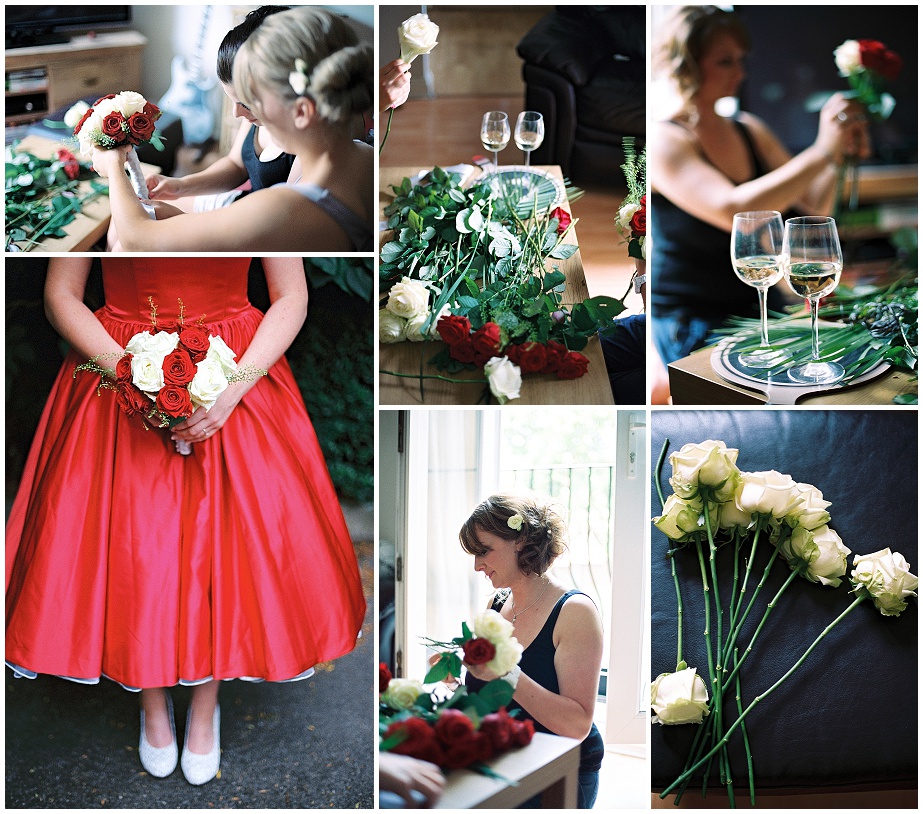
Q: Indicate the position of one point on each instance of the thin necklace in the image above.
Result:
(513, 603)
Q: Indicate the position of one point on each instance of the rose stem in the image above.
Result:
(679, 598)
(429, 376)
(707, 603)
(743, 587)
(743, 731)
(387, 130)
(856, 602)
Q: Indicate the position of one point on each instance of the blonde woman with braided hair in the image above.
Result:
(514, 539)
(308, 79)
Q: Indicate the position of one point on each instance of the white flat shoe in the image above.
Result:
(159, 761)
(199, 769)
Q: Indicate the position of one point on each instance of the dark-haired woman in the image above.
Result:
(514, 540)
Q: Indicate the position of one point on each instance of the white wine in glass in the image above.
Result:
(812, 262)
(495, 132)
(530, 132)
(756, 243)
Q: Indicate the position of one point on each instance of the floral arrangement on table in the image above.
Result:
(714, 507)
(631, 221)
(169, 371)
(42, 195)
(466, 729)
(417, 36)
(469, 266)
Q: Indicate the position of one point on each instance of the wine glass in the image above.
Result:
(756, 242)
(812, 262)
(495, 132)
(530, 132)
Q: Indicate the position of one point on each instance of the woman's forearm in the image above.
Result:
(70, 316)
(557, 713)
(222, 176)
(131, 220)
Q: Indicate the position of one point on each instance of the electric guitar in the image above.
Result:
(188, 96)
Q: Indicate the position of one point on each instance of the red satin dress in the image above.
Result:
(128, 560)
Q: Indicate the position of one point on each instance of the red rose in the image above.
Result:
(474, 749)
(384, 677)
(82, 120)
(554, 353)
(532, 357)
(479, 651)
(419, 741)
(462, 352)
(639, 223)
(140, 127)
(112, 126)
(573, 365)
(453, 329)
(523, 732)
(65, 155)
(452, 726)
(103, 99)
(498, 726)
(195, 340)
(481, 359)
(174, 401)
(170, 326)
(876, 57)
(152, 111)
(178, 368)
(512, 353)
(564, 219)
(123, 368)
(486, 339)
(131, 400)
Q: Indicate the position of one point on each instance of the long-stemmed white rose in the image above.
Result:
(679, 698)
(708, 469)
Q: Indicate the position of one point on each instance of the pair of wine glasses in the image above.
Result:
(495, 132)
(806, 251)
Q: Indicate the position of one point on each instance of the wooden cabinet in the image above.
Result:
(45, 78)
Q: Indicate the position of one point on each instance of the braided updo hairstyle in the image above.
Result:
(339, 68)
(543, 533)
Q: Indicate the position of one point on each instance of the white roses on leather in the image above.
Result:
(820, 551)
(709, 465)
(886, 576)
(679, 698)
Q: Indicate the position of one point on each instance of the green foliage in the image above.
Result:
(352, 275)
(635, 170)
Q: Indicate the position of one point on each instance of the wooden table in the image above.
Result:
(404, 357)
(693, 380)
(91, 224)
(548, 765)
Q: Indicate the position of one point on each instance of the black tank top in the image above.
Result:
(264, 174)
(691, 260)
(537, 662)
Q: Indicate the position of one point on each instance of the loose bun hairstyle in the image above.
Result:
(683, 38)
(237, 36)
(543, 533)
(338, 68)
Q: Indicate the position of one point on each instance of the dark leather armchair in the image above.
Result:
(584, 69)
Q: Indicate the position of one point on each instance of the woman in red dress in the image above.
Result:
(128, 560)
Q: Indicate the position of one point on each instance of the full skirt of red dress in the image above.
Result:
(128, 560)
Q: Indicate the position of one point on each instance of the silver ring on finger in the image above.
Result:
(842, 117)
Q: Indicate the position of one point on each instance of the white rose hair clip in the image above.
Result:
(298, 78)
(515, 522)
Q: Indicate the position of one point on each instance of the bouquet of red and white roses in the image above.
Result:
(868, 64)
(468, 728)
(168, 372)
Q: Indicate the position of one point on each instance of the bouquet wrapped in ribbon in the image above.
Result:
(165, 375)
(118, 120)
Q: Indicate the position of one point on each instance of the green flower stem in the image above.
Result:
(732, 638)
(679, 598)
(387, 130)
(856, 602)
(429, 376)
(743, 731)
(743, 587)
(712, 679)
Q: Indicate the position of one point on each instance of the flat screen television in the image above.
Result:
(47, 25)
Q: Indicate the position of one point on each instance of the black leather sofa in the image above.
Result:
(584, 69)
(847, 719)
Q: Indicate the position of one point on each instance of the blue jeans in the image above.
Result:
(587, 788)
(625, 357)
(678, 334)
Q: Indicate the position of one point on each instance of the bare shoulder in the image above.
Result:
(579, 612)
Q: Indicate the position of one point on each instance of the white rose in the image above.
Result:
(159, 344)
(75, 114)
(771, 494)
(680, 517)
(221, 353)
(709, 464)
(413, 330)
(417, 36)
(104, 108)
(848, 57)
(492, 626)
(390, 327)
(408, 298)
(209, 383)
(886, 576)
(507, 656)
(128, 102)
(821, 549)
(643, 241)
(147, 372)
(504, 378)
(811, 511)
(623, 219)
(729, 516)
(679, 698)
(402, 693)
(84, 137)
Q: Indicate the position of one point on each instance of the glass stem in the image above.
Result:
(815, 345)
(764, 321)
(496, 158)
(527, 157)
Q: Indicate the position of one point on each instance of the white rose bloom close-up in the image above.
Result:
(821, 549)
(402, 692)
(507, 656)
(75, 114)
(390, 327)
(680, 517)
(408, 299)
(710, 464)
(504, 378)
(147, 372)
(886, 576)
(129, 102)
(770, 494)
(848, 57)
(811, 512)
(492, 626)
(413, 330)
(220, 352)
(623, 219)
(208, 383)
(417, 36)
(679, 698)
